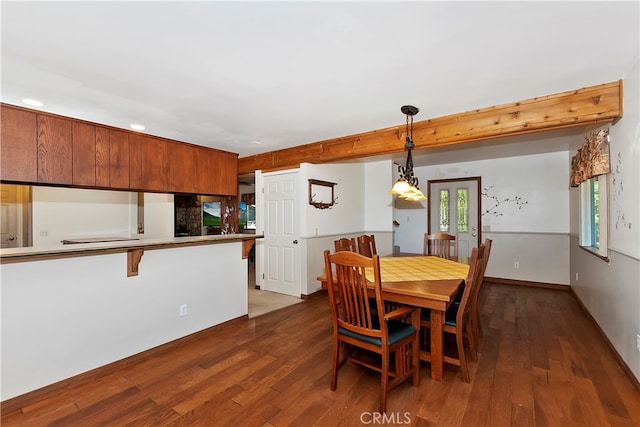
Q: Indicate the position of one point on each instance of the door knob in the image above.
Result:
(295, 242)
(474, 234)
(11, 238)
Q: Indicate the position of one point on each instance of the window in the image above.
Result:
(463, 210)
(247, 216)
(444, 210)
(593, 215)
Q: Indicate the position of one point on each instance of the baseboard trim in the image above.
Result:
(313, 294)
(516, 282)
(34, 396)
(620, 360)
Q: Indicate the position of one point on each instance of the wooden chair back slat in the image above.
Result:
(367, 245)
(441, 245)
(345, 244)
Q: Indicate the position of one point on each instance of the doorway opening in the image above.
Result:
(15, 216)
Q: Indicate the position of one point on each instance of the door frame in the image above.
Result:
(478, 181)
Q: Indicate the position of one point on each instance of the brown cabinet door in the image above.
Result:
(147, 163)
(183, 168)
(84, 154)
(135, 162)
(118, 159)
(54, 150)
(223, 173)
(229, 174)
(169, 166)
(211, 177)
(18, 145)
(202, 172)
(102, 157)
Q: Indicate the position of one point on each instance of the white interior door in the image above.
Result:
(282, 270)
(9, 216)
(453, 209)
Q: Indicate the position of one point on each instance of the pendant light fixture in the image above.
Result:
(407, 185)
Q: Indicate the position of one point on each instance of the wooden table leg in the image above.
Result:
(437, 344)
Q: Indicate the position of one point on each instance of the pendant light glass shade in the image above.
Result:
(400, 187)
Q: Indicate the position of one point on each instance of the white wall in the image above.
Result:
(347, 215)
(67, 316)
(610, 290)
(378, 203)
(320, 227)
(536, 234)
(158, 215)
(65, 213)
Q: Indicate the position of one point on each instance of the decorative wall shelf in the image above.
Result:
(324, 190)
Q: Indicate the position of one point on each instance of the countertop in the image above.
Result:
(79, 249)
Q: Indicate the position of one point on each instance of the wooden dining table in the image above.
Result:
(427, 282)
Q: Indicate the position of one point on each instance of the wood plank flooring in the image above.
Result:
(542, 363)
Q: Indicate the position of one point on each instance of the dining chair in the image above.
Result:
(475, 310)
(367, 245)
(356, 327)
(439, 244)
(457, 317)
(345, 244)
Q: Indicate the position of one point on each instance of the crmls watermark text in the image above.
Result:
(386, 418)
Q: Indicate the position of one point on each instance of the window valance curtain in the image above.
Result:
(592, 159)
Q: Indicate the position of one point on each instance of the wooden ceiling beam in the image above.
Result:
(590, 105)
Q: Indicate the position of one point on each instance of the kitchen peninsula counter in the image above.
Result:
(120, 245)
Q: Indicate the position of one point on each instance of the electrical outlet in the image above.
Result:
(516, 264)
(576, 276)
(638, 342)
(183, 310)
(44, 233)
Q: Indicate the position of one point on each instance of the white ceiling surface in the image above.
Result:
(229, 74)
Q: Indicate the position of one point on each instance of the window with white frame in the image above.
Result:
(590, 169)
(593, 215)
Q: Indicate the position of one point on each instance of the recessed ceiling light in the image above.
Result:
(135, 126)
(32, 102)
(256, 142)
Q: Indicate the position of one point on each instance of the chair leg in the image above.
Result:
(463, 361)
(415, 360)
(476, 322)
(384, 382)
(473, 342)
(336, 361)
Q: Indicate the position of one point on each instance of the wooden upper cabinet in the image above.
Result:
(84, 154)
(118, 159)
(102, 157)
(229, 174)
(148, 163)
(223, 173)
(202, 170)
(203, 174)
(44, 148)
(184, 160)
(18, 146)
(54, 150)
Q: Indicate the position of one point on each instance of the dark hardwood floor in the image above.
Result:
(542, 363)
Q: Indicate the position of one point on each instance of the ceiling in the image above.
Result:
(252, 77)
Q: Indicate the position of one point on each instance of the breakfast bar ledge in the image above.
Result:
(133, 247)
